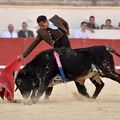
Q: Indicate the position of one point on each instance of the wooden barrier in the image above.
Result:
(11, 48)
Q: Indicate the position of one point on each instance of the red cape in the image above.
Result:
(7, 80)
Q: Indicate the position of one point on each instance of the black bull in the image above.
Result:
(78, 64)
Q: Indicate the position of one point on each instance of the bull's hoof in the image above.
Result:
(34, 100)
(27, 102)
(30, 102)
(46, 97)
(93, 97)
(80, 97)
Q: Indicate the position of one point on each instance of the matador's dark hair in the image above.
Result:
(41, 18)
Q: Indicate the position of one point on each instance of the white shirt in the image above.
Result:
(7, 34)
(52, 26)
(81, 34)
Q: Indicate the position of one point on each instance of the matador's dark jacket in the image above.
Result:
(45, 34)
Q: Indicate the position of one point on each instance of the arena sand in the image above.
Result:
(67, 104)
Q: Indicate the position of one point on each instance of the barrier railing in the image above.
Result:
(11, 48)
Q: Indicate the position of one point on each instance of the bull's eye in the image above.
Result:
(19, 82)
(33, 84)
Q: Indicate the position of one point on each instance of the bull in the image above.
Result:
(78, 64)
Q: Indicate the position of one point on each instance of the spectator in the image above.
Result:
(107, 25)
(118, 26)
(25, 33)
(83, 32)
(10, 33)
(91, 24)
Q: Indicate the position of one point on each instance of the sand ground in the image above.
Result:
(66, 104)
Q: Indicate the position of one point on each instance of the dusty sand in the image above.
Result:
(66, 104)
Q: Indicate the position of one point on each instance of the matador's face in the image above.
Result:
(43, 24)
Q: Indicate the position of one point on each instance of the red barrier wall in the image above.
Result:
(11, 48)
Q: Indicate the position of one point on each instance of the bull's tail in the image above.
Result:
(109, 49)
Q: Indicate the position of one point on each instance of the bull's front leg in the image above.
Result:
(42, 88)
(33, 95)
(44, 81)
(48, 92)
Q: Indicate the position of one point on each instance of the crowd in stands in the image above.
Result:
(87, 27)
(84, 31)
(23, 33)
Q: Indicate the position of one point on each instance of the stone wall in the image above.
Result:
(62, 2)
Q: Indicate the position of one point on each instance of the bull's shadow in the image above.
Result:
(78, 65)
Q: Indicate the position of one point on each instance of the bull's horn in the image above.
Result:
(15, 75)
(16, 89)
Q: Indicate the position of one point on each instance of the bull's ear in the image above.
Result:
(33, 84)
(18, 82)
(22, 72)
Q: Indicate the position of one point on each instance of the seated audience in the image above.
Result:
(10, 33)
(91, 24)
(82, 32)
(25, 33)
(107, 25)
(118, 26)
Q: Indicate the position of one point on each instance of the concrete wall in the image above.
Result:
(63, 2)
(102, 34)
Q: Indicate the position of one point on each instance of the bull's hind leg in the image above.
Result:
(82, 89)
(98, 84)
